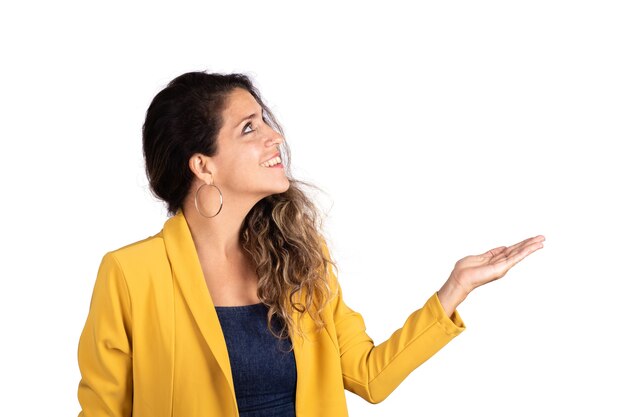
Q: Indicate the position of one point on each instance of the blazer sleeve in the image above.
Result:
(105, 346)
(373, 372)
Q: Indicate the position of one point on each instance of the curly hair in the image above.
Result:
(282, 233)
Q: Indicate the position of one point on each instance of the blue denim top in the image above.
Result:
(264, 374)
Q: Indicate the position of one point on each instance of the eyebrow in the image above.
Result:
(246, 118)
(249, 117)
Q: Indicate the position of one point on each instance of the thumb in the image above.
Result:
(494, 252)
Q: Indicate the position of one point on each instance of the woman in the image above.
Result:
(234, 308)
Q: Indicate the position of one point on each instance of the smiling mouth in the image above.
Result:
(270, 163)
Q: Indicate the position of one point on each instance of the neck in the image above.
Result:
(218, 237)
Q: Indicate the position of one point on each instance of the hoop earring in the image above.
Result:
(196, 200)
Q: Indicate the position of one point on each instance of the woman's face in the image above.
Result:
(245, 142)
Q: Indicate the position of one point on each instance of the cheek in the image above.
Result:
(241, 169)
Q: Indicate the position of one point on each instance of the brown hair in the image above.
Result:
(282, 233)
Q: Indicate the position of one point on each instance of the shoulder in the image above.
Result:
(142, 258)
(152, 245)
(331, 271)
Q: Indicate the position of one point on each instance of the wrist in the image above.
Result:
(451, 295)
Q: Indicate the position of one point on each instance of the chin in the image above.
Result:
(279, 190)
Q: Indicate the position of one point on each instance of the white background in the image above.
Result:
(438, 130)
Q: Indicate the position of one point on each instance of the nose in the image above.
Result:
(274, 138)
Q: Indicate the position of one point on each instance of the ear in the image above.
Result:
(202, 166)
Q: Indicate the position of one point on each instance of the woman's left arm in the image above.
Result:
(374, 371)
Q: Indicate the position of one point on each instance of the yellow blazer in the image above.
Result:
(152, 345)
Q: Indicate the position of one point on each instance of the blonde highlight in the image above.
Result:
(282, 236)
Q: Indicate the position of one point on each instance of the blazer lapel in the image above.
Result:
(187, 272)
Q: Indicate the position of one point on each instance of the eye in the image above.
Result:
(244, 128)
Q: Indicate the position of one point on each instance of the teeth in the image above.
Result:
(271, 162)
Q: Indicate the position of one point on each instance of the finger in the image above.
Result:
(517, 256)
(527, 241)
(521, 245)
(510, 251)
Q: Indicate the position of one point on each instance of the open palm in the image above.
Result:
(475, 270)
